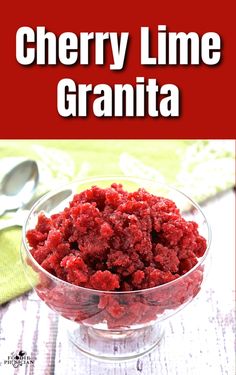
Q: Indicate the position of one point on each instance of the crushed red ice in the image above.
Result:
(111, 239)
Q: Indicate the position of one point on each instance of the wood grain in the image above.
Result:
(198, 340)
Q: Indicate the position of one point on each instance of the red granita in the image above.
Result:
(112, 240)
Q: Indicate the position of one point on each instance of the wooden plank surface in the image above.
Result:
(198, 340)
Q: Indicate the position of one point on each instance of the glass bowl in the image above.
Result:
(113, 325)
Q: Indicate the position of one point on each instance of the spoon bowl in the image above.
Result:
(18, 186)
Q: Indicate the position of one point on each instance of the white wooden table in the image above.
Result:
(198, 341)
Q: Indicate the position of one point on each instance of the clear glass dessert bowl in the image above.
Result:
(115, 325)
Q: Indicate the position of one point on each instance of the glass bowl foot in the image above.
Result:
(112, 345)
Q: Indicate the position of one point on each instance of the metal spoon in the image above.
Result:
(18, 186)
(50, 204)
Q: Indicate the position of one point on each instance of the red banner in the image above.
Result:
(32, 98)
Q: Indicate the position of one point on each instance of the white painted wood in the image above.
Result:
(198, 340)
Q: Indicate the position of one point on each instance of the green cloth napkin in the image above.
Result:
(200, 168)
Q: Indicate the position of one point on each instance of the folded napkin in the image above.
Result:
(199, 168)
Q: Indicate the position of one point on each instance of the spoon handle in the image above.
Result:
(2, 205)
(2, 211)
(9, 223)
(16, 221)
(8, 204)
